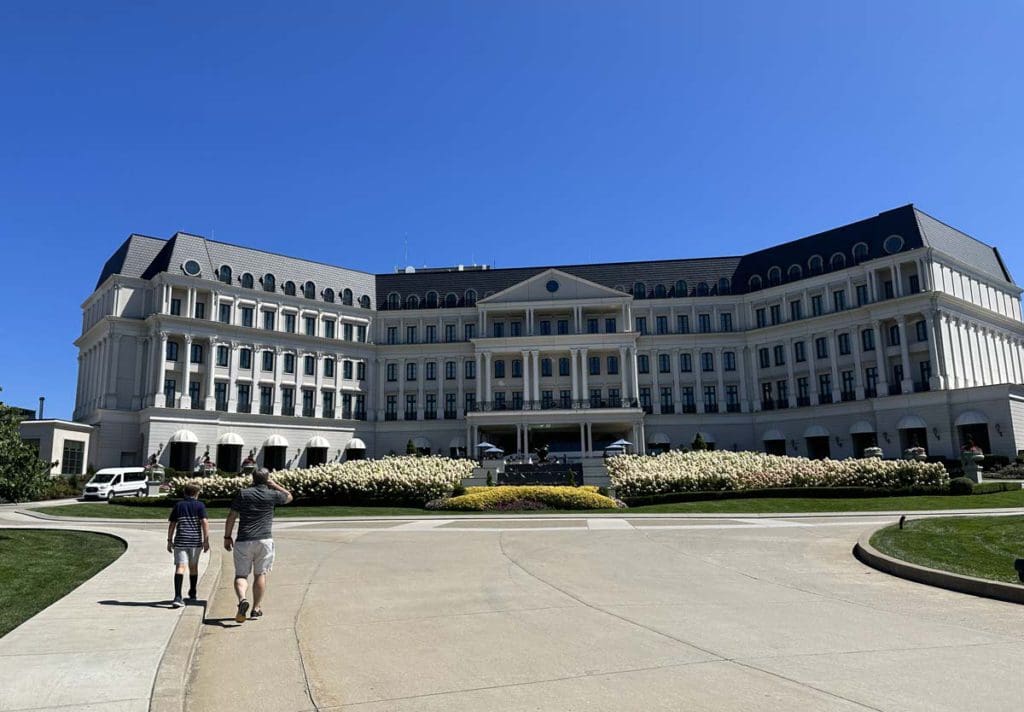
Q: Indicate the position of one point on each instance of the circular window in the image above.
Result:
(191, 268)
(552, 285)
(893, 244)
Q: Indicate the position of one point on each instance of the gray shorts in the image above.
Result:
(187, 555)
(253, 557)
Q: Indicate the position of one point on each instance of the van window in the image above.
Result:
(135, 476)
(101, 478)
(116, 480)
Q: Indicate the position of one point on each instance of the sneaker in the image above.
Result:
(177, 602)
(255, 615)
(243, 608)
(191, 595)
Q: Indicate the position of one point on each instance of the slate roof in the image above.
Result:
(143, 256)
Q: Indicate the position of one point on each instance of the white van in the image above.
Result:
(113, 482)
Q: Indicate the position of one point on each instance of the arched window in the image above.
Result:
(346, 297)
(247, 281)
(837, 262)
(816, 265)
(639, 290)
(860, 252)
(269, 283)
(224, 274)
(289, 288)
(659, 291)
(364, 301)
(412, 302)
(702, 289)
(724, 286)
(451, 300)
(682, 289)
(470, 297)
(394, 301)
(329, 295)
(431, 300)
(893, 244)
(755, 283)
(795, 272)
(309, 290)
(774, 276)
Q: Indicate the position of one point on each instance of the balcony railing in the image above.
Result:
(308, 413)
(803, 401)
(390, 416)
(922, 386)
(430, 415)
(553, 404)
(689, 408)
(328, 412)
(451, 415)
(410, 415)
(266, 409)
(895, 389)
(710, 407)
(871, 392)
(733, 408)
(222, 406)
(667, 408)
(288, 410)
(244, 408)
(847, 396)
(824, 398)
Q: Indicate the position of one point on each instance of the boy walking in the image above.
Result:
(254, 549)
(188, 534)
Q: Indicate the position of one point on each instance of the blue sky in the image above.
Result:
(502, 132)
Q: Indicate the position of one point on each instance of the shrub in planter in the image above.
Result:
(961, 485)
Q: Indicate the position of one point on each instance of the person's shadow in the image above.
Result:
(150, 604)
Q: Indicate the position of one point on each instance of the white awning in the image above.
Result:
(971, 417)
(421, 442)
(659, 439)
(183, 436)
(355, 444)
(230, 439)
(275, 441)
(861, 426)
(457, 442)
(908, 422)
(816, 431)
(318, 441)
(773, 434)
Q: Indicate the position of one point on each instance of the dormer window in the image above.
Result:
(289, 288)
(659, 291)
(269, 283)
(755, 283)
(329, 295)
(412, 302)
(470, 297)
(451, 300)
(431, 300)
(346, 297)
(224, 274)
(364, 301)
(247, 281)
(394, 301)
(816, 265)
(702, 289)
(837, 262)
(639, 290)
(724, 286)
(309, 290)
(774, 276)
(860, 252)
(682, 289)
(795, 272)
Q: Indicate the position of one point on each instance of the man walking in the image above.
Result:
(188, 533)
(254, 547)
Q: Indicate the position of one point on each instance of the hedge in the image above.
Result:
(479, 499)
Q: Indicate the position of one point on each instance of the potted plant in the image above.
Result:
(971, 458)
(873, 451)
(154, 475)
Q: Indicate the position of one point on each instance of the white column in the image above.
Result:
(833, 348)
(674, 367)
(949, 346)
(527, 395)
(214, 306)
(790, 374)
(635, 370)
(233, 377)
(479, 379)
(883, 361)
(908, 377)
(488, 393)
(938, 378)
(741, 367)
(278, 357)
(584, 375)
(535, 380)
(113, 369)
(573, 375)
(211, 367)
(318, 399)
(897, 280)
(184, 401)
(159, 399)
(623, 364)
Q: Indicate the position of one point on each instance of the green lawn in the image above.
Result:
(769, 505)
(38, 567)
(984, 547)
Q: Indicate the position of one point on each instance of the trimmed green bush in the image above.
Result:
(961, 485)
(480, 499)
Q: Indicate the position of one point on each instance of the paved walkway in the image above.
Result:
(601, 614)
(99, 647)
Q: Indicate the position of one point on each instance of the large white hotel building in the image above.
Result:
(896, 330)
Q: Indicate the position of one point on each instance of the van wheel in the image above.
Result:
(110, 496)
(141, 493)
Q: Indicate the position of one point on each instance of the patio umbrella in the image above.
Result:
(620, 443)
(486, 445)
(493, 451)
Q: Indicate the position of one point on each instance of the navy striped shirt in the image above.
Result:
(189, 514)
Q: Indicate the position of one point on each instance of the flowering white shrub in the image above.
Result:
(391, 480)
(638, 475)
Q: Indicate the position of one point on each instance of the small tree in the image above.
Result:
(23, 476)
(410, 447)
(698, 443)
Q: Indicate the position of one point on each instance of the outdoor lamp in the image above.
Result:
(935, 432)
(793, 443)
(999, 429)
(886, 436)
(839, 441)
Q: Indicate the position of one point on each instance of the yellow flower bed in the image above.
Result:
(486, 498)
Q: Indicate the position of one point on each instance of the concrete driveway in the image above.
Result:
(601, 614)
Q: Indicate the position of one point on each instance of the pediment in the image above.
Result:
(553, 285)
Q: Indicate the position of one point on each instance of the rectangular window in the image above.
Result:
(430, 371)
(894, 335)
(307, 403)
(392, 335)
(245, 359)
(613, 365)
(346, 332)
(686, 363)
(760, 318)
(200, 310)
(796, 310)
(565, 398)
(545, 327)
(410, 371)
(470, 333)
(328, 400)
(661, 324)
(289, 323)
(915, 284)
(643, 363)
(704, 323)
(449, 333)
(470, 370)
(309, 365)
(449, 370)
(346, 370)
(430, 334)
(799, 352)
(410, 335)
(817, 308)
(346, 406)
(825, 384)
(499, 369)
(591, 326)
(430, 406)
(775, 314)
(862, 294)
(782, 393)
(266, 400)
(244, 398)
(247, 316)
(175, 307)
(594, 365)
(545, 367)
(664, 363)
(683, 323)
(844, 344)
(360, 372)
(710, 399)
(328, 331)
(732, 398)
(328, 368)
(288, 401)
(839, 300)
(268, 360)
(391, 408)
(515, 328)
(867, 339)
(921, 329)
(764, 357)
(609, 325)
(888, 289)
(197, 353)
(729, 360)
(309, 325)
(725, 321)
(641, 324)
(449, 405)
(517, 368)
(73, 457)
(848, 388)
(220, 396)
(498, 329)
(686, 395)
(563, 367)
(563, 326)
(821, 347)
(666, 399)
(172, 351)
(779, 355)
(225, 313)
(595, 397)
(470, 402)
(803, 388)
(289, 363)
(547, 399)
(268, 320)
(707, 361)
(361, 338)
(645, 398)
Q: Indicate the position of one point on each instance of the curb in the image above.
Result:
(170, 684)
(869, 555)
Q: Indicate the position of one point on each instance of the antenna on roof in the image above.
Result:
(405, 261)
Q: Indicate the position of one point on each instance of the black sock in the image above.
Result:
(192, 580)
(178, 578)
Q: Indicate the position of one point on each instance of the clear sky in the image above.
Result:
(513, 133)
